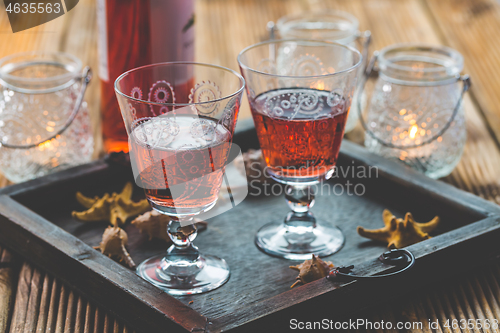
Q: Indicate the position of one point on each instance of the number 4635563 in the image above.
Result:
(33, 8)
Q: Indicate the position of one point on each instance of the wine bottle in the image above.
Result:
(134, 33)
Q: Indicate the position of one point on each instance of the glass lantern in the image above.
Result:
(331, 25)
(44, 120)
(415, 114)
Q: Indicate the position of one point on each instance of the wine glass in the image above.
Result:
(300, 93)
(180, 119)
(332, 25)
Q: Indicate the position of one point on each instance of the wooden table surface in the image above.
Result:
(33, 301)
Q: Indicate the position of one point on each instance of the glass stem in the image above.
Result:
(182, 258)
(300, 198)
(300, 222)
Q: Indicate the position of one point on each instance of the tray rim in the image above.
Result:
(43, 233)
(26, 221)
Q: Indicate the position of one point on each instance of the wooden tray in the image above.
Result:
(35, 221)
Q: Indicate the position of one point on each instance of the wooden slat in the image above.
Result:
(108, 323)
(63, 307)
(493, 294)
(486, 310)
(22, 299)
(51, 320)
(44, 304)
(69, 324)
(99, 321)
(471, 27)
(450, 312)
(440, 313)
(7, 275)
(444, 302)
(420, 314)
(89, 318)
(80, 315)
(34, 301)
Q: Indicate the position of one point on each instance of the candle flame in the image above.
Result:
(45, 145)
(319, 86)
(413, 131)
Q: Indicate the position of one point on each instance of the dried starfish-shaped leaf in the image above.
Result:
(114, 240)
(311, 270)
(85, 201)
(116, 208)
(121, 209)
(399, 233)
(155, 224)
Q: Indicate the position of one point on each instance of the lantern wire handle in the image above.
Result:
(370, 71)
(366, 37)
(86, 78)
(271, 28)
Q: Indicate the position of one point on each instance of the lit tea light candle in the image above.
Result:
(412, 136)
(415, 114)
(413, 131)
(319, 86)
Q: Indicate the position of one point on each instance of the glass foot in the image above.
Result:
(211, 273)
(299, 242)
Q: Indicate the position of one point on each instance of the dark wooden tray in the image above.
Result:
(35, 221)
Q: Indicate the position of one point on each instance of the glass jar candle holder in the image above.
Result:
(44, 121)
(415, 114)
(330, 25)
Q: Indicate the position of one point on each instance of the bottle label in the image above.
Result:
(102, 41)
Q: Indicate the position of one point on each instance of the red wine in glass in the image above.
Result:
(181, 160)
(300, 130)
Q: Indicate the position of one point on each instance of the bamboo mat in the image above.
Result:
(44, 304)
(33, 301)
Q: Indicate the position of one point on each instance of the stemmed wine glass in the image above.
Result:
(180, 119)
(300, 93)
